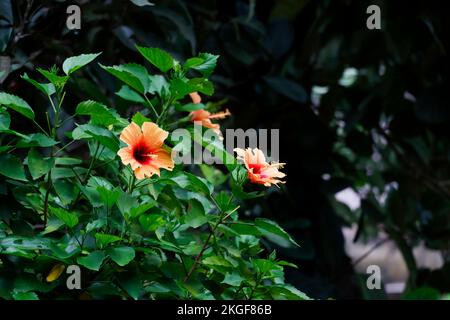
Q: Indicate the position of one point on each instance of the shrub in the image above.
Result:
(139, 226)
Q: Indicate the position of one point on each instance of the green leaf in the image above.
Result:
(285, 291)
(233, 279)
(191, 182)
(195, 216)
(204, 62)
(17, 104)
(129, 94)
(58, 81)
(269, 228)
(60, 173)
(108, 197)
(131, 75)
(159, 58)
(99, 113)
(25, 296)
(224, 201)
(105, 239)
(151, 222)
(202, 85)
(131, 283)
(12, 167)
(245, 229)
(5, 120)
(159, 85)
(25, 243)
(121, 255)
(142, 3)
(193, 62)
(138, 211)
(96, 224)
(37, 165)
(46, 88)
(69, 219)
(139, 119)
(287, 264)
(72, 64)
(53, 224)
(5, 148)
(95, 182)
(216, 148)
(181, 88)
(66, 191)
(140, 72)
(65, 161)
(190, 107)
(213, 175)
(102, 135)
(422, 293)
(125, 202)
(93, 261)
(216, 261)
(36, 140)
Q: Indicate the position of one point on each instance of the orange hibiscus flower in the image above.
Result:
(145, 153)
(204, 117)
(259, 170)
(195, 97)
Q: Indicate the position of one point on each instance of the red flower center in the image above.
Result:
(142, 153)
(256, 167)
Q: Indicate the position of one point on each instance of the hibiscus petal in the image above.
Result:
(139, 173)
(220, 115)
(199, 115)
(240, 153)
(163, 160)
(131, 134)
(208, 124)
(260, 158)
(150, 170)
(195, 97)
(154, 136)
(126, 155)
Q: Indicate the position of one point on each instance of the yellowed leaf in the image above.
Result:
(56, 272)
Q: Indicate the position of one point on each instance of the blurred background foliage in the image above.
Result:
(357, 108)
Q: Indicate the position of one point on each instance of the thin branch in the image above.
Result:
(372, 249)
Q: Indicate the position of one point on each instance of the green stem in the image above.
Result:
(152, 107)
(62, 148)
(37, 124)
(61, 101)
(48, 122)
(132, 183)
(92, 161)
(222, 217)
(407, 254)
(258, 280)
(46, 198)
(176, 124)
(164, 111)
(67, 119)
(52, 104)
(49, 178)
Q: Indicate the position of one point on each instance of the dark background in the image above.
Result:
(388, 128)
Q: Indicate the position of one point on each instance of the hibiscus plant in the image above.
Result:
(122, 214)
